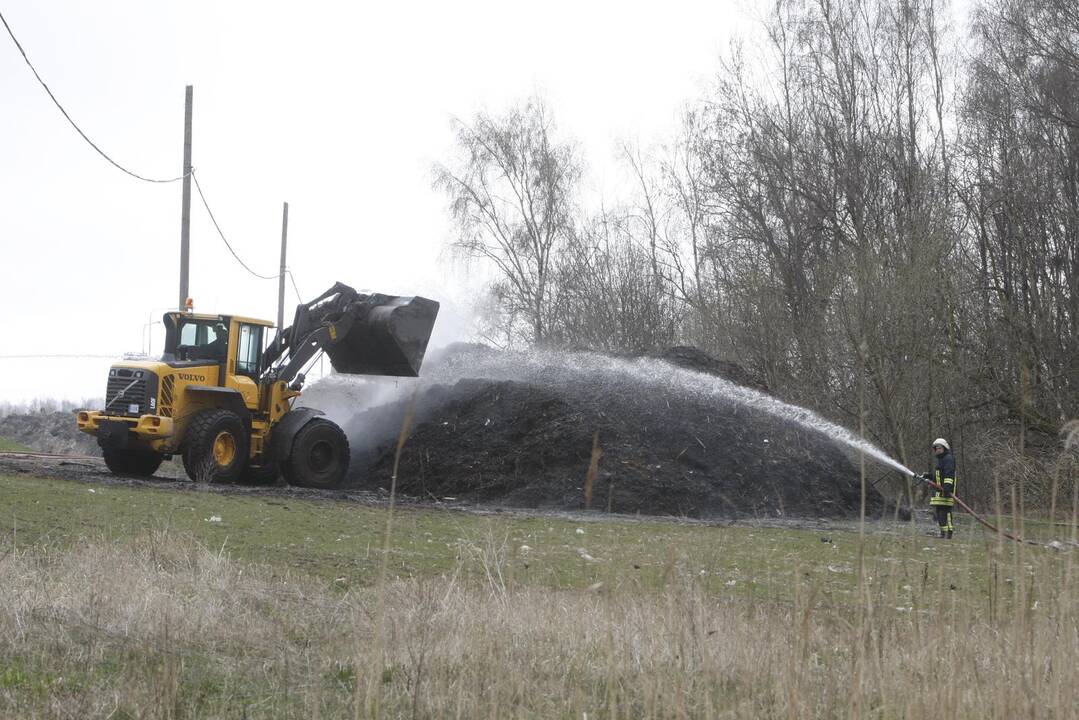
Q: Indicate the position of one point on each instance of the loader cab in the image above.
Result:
(235, 342)
(195, 338)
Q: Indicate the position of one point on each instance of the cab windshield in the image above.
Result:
(192, 339)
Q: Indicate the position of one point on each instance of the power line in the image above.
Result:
(60, 107)
(294, 288)
(60, 357)
(221, 234)
(135, 175)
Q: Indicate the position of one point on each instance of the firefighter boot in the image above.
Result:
(949, 535)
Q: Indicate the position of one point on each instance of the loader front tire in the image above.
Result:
(140, 463)
(319, 457)
(216, 446)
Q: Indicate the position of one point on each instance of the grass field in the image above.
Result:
(12, 446)
(121, 602)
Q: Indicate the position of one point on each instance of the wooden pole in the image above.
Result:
(281, 275)
(185, 208)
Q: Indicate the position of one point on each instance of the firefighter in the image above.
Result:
(943, 499)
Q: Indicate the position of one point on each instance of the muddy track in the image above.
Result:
(88, 469)
(91, 470)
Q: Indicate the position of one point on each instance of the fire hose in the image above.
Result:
(976, 516)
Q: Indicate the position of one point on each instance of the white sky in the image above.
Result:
(338, 108)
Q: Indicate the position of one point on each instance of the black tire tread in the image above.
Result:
(198, 443)
(293, 469)
(140, 463)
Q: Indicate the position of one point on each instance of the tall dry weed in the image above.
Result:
(119, 630)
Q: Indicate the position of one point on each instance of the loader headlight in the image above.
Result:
(112, 373)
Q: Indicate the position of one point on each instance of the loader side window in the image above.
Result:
(249, 351)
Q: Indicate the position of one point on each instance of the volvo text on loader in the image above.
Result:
(224, 402)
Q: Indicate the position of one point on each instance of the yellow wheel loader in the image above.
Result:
(221, 396)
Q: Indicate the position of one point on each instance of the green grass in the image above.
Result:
(12, 446)
(341, 541)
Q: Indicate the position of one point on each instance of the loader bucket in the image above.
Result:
(388, 336)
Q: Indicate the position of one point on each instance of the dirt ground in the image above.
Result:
(170, 476)
(91, 472)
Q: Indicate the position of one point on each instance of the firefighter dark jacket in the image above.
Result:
(945, 477)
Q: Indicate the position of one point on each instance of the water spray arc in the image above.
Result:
(559, 368)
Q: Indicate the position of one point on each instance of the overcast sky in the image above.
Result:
(338, 108)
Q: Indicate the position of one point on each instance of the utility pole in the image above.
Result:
(281, 276)
(185, 208)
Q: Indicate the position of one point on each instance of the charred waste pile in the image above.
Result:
(667, 434)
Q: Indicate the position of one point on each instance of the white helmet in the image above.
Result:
(943, 443)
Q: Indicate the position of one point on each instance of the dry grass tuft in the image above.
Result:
(168, 628)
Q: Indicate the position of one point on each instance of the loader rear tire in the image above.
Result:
(319, 457)
(140, 463)
(216, 447)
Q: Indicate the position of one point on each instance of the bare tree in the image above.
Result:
(513, 196)
(1020, 190)
(609, 297)
(825, 209)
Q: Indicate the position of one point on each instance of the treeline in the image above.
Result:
(44, 406)
(859, 211)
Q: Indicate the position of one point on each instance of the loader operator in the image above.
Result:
(943, 499)
(210, 343)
